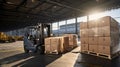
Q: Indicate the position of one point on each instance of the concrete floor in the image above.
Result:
(14, 57)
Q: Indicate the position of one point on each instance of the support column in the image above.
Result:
(88, 18)
(51, 29)
(58, 27)
(76, 29)
(66, 26)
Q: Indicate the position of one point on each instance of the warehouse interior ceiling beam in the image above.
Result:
(15, 14)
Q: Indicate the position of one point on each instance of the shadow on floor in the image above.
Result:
(36, 60)
(85, 60)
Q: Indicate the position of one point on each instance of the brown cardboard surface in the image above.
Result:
(104, 31)
(107, 21)
(84, 47)
(84, 40)
(48, 48)
(84, 33)
(93, 48)
(104, 21)
(104, 49)
(64, 43)
(107, 31)
(55, 45)
(72, 39)
(93, 32)
(47, 41)
(83, 25)
(104, 41)
(93, 40)
(47, 44)
(92, 24)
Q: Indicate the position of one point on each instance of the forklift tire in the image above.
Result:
(39, 49)
(26, 50)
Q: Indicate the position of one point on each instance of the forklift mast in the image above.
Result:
(44, 28)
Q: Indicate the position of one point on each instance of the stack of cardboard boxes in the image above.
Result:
(72, 40)
(84, 36)
(100, 36)
(56, 44)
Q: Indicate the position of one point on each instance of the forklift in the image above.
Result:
(34, 38)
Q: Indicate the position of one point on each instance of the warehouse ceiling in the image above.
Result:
(15, 14)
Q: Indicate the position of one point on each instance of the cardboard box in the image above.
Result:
(93, 32)
(93, 48)
(93, 40)
(105, 41)
(64, 44)
(104, 31)
(104, 21)
(84, 47)
(55, 44)
(107, 31)
(47, 41)
(107, 21)
(59, 44)
(84, 40)
(72, 39)
(47, 48)
(92, 24)
(108, 41)
(104, 50)
(108, 50)
(47, 44)
(83, 25)
(84, 33)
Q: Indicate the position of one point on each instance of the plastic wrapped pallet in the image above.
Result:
(110, 43)
(103, 36)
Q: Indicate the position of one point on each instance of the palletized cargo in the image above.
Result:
(56, 45)
(103, 37)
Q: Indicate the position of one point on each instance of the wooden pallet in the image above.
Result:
(84, 51)
(51, 52)
(92, 53)
(97, 54)
(104, 56)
